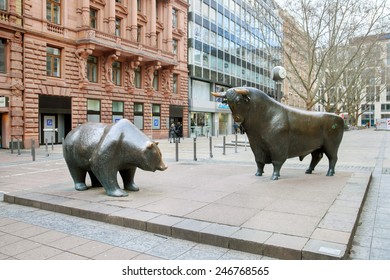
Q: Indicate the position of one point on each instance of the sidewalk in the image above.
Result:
(210, 198)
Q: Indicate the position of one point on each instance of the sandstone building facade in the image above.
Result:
(68, 62)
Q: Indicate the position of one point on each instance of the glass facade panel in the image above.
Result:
(237, 33)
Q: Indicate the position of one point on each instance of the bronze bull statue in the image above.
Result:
(277, 132)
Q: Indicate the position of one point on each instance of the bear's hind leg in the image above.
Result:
(94, 181)
(78, 176)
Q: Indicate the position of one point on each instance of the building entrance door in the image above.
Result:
(49, 129)
(54, 113)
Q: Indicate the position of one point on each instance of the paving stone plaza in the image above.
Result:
(209, 208)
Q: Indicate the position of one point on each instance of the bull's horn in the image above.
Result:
(219, 94)
(242, 91)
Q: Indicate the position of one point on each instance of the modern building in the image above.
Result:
(229, 45)
(376, 104)
(66, 62)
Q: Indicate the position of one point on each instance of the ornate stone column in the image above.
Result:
(82, 57)
(152, 23)
(168, 27)
(166, 83)
(111, 17)
(133, 20)
(85, 13)
(130, 71)
(149, 75)
(108, 70)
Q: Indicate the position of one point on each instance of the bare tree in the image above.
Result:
(316, 42)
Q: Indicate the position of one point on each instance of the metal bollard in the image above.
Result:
(235, 146)
(211, 147)
(18, 145)
(52, 143)
(224, 146)
(245, 141)
(195, 159)
(33, 149)
(177, 149)
(47, 149)
(12, 145)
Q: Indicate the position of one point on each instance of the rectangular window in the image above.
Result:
(175, 83)
(93, 18)
(137, 78)
(158, 38)
(116, 73)
(53, 11)
(156, 116)
(155, 80)
(387, 93)
(139, 33)
(3, 56)
(92, 69)
(174, 18)
(93, 110)
(174, 46)
(118, 22)
(53, 62)
(3, 5)
(117, 111)
(139, 115)
(139, 5)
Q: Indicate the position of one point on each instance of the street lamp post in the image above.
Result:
(278, 75)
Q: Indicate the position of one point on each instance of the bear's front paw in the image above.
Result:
(80, 187)
(117, 193)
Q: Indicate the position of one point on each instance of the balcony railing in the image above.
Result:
(125, 45)
(55, 28)
(4, 16)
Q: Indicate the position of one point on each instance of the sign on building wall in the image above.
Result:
(383, 124)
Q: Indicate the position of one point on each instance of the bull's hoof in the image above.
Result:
(132, 188)
(309, 171)
(275, 177)
(259, 173)
(80, 187)
(117, 193)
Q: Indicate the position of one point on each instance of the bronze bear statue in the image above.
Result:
(104, 149)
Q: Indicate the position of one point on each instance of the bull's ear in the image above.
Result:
(156, 143)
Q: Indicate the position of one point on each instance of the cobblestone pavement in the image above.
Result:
(30, 233)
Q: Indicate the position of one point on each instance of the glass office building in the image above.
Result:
(230, 43)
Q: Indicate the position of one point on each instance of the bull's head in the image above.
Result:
(238, 101)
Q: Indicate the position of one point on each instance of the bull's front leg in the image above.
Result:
(277, 167)
(260, 168)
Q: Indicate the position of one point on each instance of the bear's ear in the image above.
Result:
(149, 145)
